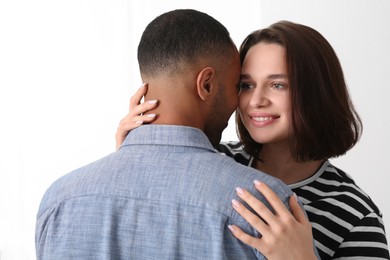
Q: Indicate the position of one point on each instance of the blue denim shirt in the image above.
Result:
(166, 194)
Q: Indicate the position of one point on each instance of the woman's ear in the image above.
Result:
(205, 82)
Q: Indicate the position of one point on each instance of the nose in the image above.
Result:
(259, 97)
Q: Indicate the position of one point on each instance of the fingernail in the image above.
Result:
(152, 101)
(240, 191)
(257, 183)
(151, 115)
(295, 196)
(139, 122)
(235, 203)
(232, 229)
(143, 85)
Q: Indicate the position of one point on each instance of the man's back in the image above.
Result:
(166, 194)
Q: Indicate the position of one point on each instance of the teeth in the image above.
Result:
(262, 118)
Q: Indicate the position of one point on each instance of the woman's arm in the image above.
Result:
(135, 116)
(284, 235)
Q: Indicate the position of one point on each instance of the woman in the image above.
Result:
(295, 114)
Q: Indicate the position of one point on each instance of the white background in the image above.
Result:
(68, 69)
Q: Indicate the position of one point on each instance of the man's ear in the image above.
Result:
(205, 82)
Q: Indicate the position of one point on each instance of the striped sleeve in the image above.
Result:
(346, 222)
(366, 240)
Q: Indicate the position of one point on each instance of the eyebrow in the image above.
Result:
(272, 76)
(277, 76)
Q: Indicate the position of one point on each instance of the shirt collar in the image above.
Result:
(168, 135)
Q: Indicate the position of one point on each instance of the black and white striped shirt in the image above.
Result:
(346, 222)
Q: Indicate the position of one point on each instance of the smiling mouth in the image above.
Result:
(262, 118)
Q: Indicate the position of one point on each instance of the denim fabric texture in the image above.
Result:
(166, 194)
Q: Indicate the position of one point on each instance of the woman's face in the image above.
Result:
(264, 101)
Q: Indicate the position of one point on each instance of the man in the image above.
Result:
(166, 194)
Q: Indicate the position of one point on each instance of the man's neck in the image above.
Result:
(176, 106)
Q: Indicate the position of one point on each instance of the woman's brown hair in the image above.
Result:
(324, 121)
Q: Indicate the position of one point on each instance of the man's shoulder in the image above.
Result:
(231, 172)
(76, 183)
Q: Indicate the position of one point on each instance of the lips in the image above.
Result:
(263, 119)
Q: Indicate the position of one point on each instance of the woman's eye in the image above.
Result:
(244, 86)
(278, 86)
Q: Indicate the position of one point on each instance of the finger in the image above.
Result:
(145, 118)
(252, 219)
(297, 210)
(244, 237)
(121, 133)
(131, 122)
(137, 97)
(136, 113)
(258, 206)
(127, 126)
(273, 199)
(143, 108)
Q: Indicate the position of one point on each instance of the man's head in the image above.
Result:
(192, 66)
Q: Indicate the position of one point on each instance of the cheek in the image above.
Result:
(242, 108)
(284, 103)
(243, 100)
(287, 111)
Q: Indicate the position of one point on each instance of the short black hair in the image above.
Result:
(182, 37)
